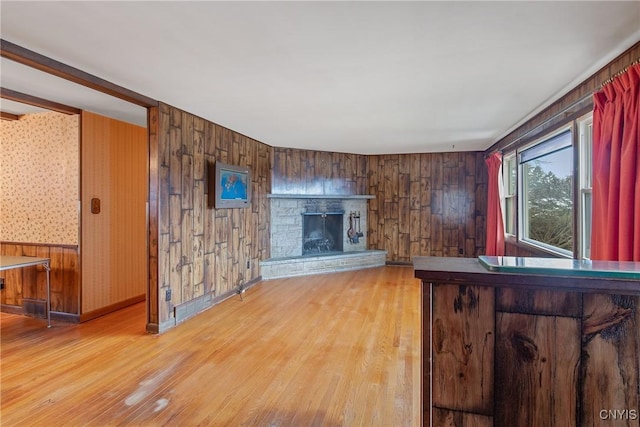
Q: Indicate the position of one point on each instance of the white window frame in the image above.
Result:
(508, 195)
(522, 199)
(585, 170)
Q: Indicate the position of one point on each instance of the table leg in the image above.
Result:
(48, 305)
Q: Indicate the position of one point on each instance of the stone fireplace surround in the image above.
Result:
(286, 236)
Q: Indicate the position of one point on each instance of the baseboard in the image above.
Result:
(12, 309)
(55, 315)
(399, 263)
(111, 308)
(195, 306)
(65, 317)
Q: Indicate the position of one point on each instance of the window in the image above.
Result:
(585, 127)
(510, 180)
(546, 193)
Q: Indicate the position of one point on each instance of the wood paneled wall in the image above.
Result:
(200, 250)
(431, 204)
(425, 204)
(30, 282)
(318, 172)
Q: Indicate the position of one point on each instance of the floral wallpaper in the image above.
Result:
(39, 179)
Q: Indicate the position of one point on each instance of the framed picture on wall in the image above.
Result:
(231, 186)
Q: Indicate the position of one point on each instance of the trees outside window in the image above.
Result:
(547, 194)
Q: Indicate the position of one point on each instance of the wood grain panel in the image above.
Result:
(448, 418)
(536, 354)
(537, 301)
(114, 241)
(206, 250)
(427, 204)
(298, 171)
(611, 361)
(463, 348)
(153, 199)
(30, 282)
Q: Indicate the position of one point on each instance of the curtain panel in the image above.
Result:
(616, 169)
(495, 224)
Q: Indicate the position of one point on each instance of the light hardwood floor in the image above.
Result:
(337, 349)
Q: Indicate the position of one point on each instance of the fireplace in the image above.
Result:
(291, 213)
(309, 235)
(322, 233)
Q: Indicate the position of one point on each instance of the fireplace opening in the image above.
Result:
(322, 233)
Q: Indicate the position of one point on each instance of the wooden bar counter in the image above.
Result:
(529, 342)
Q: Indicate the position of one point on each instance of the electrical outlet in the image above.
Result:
(460, 251)
(248, 264)
(1, 283)
(167, 295)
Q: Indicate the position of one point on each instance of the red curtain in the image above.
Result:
(616, 169)
(495, 226)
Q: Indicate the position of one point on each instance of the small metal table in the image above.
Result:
(10, 262)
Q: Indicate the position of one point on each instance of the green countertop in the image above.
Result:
(562, 267)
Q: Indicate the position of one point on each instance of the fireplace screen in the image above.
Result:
(321, 233)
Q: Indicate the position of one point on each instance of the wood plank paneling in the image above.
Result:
(206, 250)
(611, 361)
(298, 171)
(447, 418)
(30, 282)
(463, 348)
(536, 354)
(427, 204)
(554, 303)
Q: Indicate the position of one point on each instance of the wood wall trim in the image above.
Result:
(8, 116)
(35, 60)
(153, 203)
(111, 308)
(37, 102)
(49, 245)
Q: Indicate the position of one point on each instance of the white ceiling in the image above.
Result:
(358, 77)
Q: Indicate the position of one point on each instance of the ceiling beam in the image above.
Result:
(37, 102)
(35, 60)
(8, 116)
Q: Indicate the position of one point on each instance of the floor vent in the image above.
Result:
(34, 307)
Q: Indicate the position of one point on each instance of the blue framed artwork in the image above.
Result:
(232, 186)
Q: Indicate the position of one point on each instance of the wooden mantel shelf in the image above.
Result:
(320, 196)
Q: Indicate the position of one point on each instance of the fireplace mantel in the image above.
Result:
(320, 196)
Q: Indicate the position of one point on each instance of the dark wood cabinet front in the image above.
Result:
(501, 354)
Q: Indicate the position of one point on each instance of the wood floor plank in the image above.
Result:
(337, 349)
